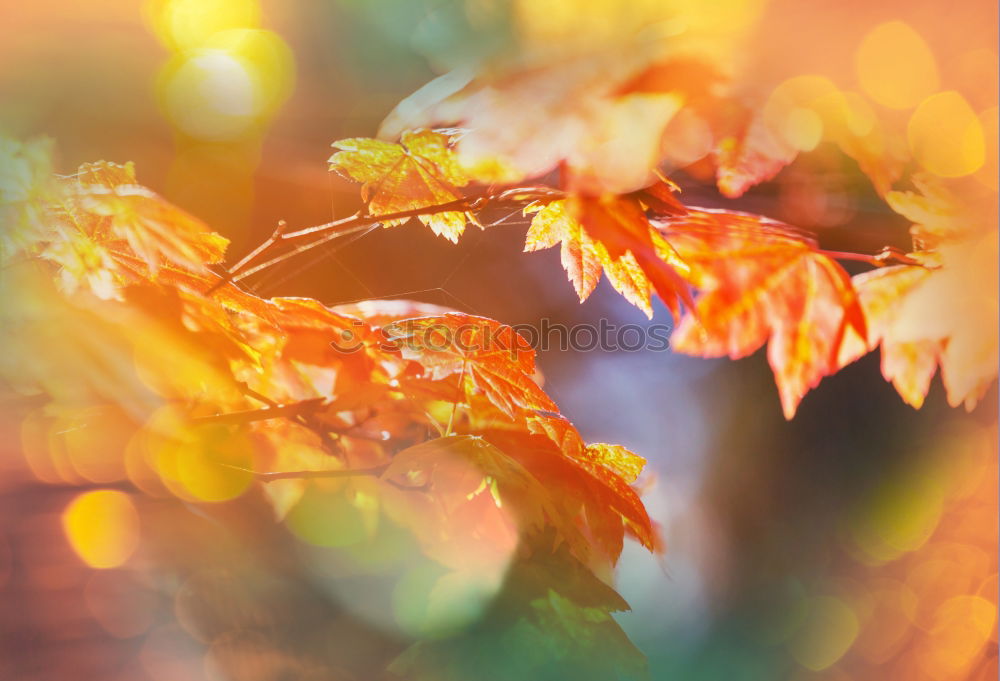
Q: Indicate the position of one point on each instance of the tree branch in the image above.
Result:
(360, 222)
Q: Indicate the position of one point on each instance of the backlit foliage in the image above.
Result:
(158, 376)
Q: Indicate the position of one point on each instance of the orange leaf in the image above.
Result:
(609, 471)
(610, 233)
(763, 283)
(492, 357)
(156, 231)
(419, 172)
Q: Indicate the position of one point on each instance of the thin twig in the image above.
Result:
(269, 412)
(362, 221)
(310, 475)
(302, 412)
(376, 471)
(250, 392)
(359, 231)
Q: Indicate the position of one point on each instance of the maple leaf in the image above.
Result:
(939, 216)
(909, 366)
(491, 357)
(607, 472)
(581, 257)
(154, 230)
(961, 335)
(205, 285)
(613, 235)
(418, 172)
(763, 283)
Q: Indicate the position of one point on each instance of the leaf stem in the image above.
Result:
(887, 256)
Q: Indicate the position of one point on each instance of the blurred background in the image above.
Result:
(857, 541)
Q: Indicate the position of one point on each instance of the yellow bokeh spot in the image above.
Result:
(267, 58)
(900, 517)
(227, 88)
(102, 527)
(805, 128)
(858, 115)
(187, 24)
(987, 174)
(571, 27)
(828, 631)
(895, 67)
(211, 96)
(946, 137)
(794, 113)
(198, 462)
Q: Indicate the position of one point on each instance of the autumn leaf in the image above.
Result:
(524, 121)
(418, 172)
(607, 472)
(613, 235)
(206, 286)
(938, 215)
(763, 283)
(909, 366)
(960, 336)
(154, 230)
(491, 357)
(581, 257)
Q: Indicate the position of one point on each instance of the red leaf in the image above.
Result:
(763, 283)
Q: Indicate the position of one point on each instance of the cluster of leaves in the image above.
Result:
(760, 281)
(453, 441)
(461, 448)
